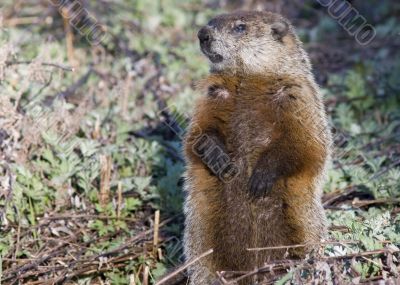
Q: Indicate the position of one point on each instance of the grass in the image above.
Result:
(87, 156)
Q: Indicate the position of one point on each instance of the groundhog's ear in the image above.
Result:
(279, 30)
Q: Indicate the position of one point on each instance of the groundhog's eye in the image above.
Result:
(239, 28)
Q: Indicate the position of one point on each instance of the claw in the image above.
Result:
(261, 183)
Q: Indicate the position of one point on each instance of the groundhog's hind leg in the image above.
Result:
(198, 273)
(201, 209)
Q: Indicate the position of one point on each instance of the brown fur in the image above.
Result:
(273, 127)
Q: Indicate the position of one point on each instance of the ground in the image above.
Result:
(90, 139)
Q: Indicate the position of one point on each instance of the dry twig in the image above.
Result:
(183, 267)
(56, 65)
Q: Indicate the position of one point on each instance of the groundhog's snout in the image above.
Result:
(204, 35)
(206, 38)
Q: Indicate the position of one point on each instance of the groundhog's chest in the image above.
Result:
(252, 128)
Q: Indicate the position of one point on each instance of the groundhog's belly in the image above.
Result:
(250, 224)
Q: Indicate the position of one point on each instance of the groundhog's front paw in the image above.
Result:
(261, 182)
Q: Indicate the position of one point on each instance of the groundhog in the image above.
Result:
(256, 149)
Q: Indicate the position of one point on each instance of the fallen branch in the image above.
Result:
(22, 21)
(362, 203)
(86, 216)
(27, 267)
(60, 66)
(289, 263)
(303, 245)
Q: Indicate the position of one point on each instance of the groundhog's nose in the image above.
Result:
(204, 35)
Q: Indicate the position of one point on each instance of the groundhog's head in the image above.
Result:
(251, 42)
